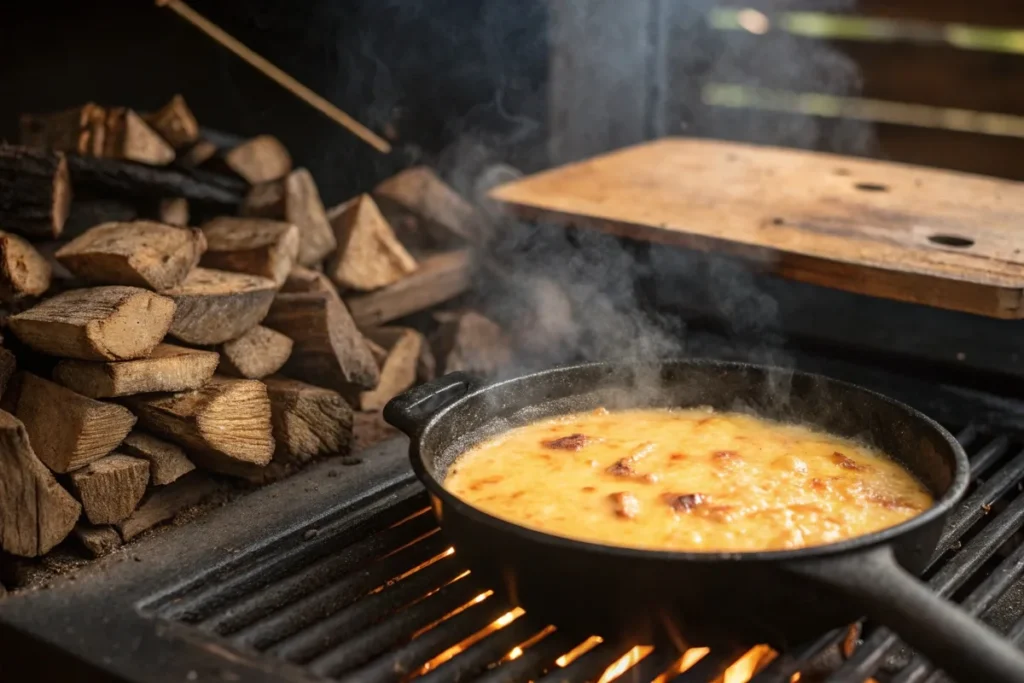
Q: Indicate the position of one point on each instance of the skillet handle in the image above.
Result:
(410, 411)
(952, 640)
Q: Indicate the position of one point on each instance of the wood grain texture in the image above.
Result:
(167, 462)
(439, 278)
(35, 191)
(309, 421)
(68, 430)
(251, 245)
(168, 368)
(369, 256)
(259, 352)
(110, 487)
(23, 270)
(215, 306)
(165, 502)
(36, 513)
(871, 227)
(99, 323)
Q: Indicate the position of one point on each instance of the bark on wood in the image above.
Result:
(164, 502)
(8, 365)
(309, 421)
(118, 179)
(328, 349)
(175, 123)
(101, 323)
(224, 425)
(36, 513)
(259, 160)
(438, 279)
(215, 306)
(398, 370)
(470, 342)
(68, 430)
(173, 211)
(168, 368)
(88, 213)
(257, 246)
(91, 130)
(419, 191)
(137, 254)
(167, 461)
(97, 540)
(256, 354)
(296, 200)
(35, 191)
(23, 270)
(369, 256)
(111, 487)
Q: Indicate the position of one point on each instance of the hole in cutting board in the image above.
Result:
(952, 241)
(872, 187)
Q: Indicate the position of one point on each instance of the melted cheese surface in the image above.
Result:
(690, 480)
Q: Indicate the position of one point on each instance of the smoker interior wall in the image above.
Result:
(440, 70)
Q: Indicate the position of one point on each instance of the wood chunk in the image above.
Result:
(165, 502)
(470, 342)
(215, 306)
(297, 201)
(100, 323)
(304, 280)
(369, 256)
(399, 369)
(309, 421)
(328, 349)
(438, 279)
(167, 462)
(91, 130)
(259, 352)
(259, 160)
(8, 364)
(168, 368)
(251, 245)
(173, 211)
(97, 540)
(138, 254)
(224, 425)
(198, 154)
(419, 191)
(69, 430)
(379, 353)
(35, 191)
(175, 123)
(23, 270)
(111, 487)
(36, 513)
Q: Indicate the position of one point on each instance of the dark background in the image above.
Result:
(444, 72)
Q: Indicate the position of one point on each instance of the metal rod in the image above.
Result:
(274, 73)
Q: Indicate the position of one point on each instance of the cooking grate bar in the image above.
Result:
(381, 637)
(791, 661)
(711, 666)
(408, 659)
(323, 571)
(976, 603)
(534, 661)
(976, 505)
(987, 456)
(958, 569)
(589, 666)
(341, 601)
(228, 583)
(475, 659)
(654, 664)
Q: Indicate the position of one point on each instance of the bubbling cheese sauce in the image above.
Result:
(686, 480)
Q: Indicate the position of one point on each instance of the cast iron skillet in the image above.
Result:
(783, 597)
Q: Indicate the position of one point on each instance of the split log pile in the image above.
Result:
(146, 363)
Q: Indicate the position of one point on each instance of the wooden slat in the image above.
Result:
(852, 224)
(1007, 13)
(973, 153)
(933, 74)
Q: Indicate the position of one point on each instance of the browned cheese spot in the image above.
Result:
(846, 463)
(573, 442)
(684, 502)
(626, 504)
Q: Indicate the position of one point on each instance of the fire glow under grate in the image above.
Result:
(377, 594)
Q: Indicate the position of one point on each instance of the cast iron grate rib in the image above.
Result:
(376, 594)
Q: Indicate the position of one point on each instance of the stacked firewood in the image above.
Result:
(144, 361)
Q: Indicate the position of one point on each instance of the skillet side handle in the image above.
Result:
(410, 411)
(952, 640)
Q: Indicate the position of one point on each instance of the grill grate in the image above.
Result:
(376, 594)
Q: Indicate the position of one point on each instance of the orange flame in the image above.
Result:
(499, 623)
(624, 663)
(747, 666)
(578, 651)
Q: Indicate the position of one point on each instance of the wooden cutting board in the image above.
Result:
(941, 238)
